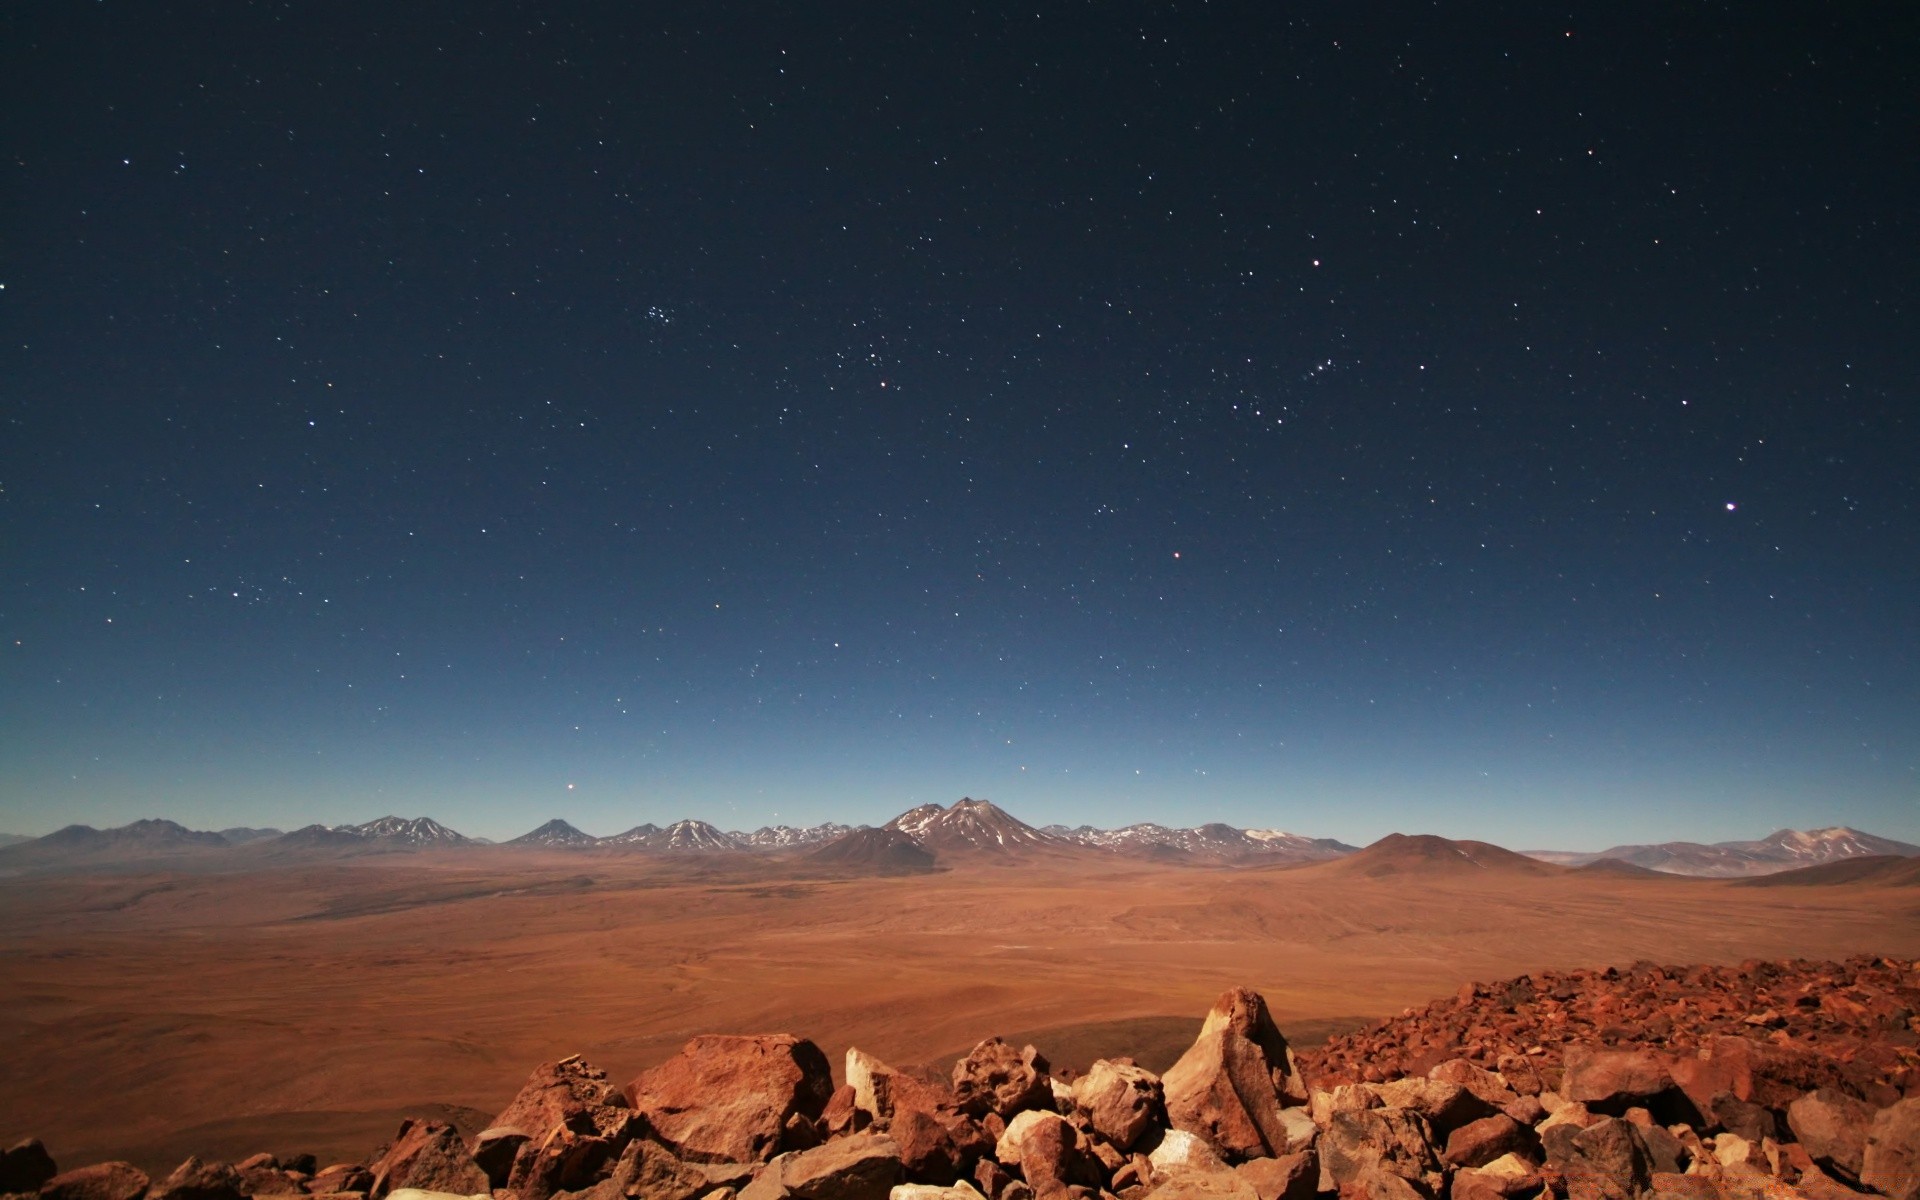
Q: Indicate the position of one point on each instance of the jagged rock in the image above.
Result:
(1224, 1185)
(1504, 1178)
(100, 1181)
(1890, 1164)
(1446, 1106)
(1396, 1141)
(1231, 1083)
(1121, 1100)
(1182, 1151)
(494, 1150)
(842, 1116)
(1478, 1143)
(996, 1078)
(1290, 1177)
(340, 1177)
(727, 1099)
(1832, 1127)
(1490, 1088)
(197, 1180)
(25, 1166)
(563, 1161)
(1045, 1150)
(1609, 1081)
(961, 1190)
(428, 1155)
(566, 1092)
(865, 1166)
(1608, 1161)
(263, 1175)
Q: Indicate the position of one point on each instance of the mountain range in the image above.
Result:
(1783, 850)
(967, 829)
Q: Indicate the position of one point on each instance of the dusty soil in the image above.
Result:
(309, 1007)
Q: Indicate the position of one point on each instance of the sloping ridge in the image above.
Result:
(557, 833)
(1429, 854)
(883, 849)
(147, 838)
(971, 826)
(1885, 870)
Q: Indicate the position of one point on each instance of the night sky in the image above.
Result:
(1489, 420)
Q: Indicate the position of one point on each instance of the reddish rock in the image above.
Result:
(25, 1166)
(564, 1161)
(1042, 1146)
(1890, 1164)
(1478, 1143)
(428, 1155)
(1391, 1140)
(1122, 1101)
(1612, 1080)
(1484, 1084)
(841, 1116)
(1291, 1177)
(566, 1092)
(1478, 1183)
(1832, 1128)
(865, 1166)
(1230, 1085)
(1446, 1106)
(495, 1149)
(340, 1177)
(101, 1181)
(1608, 1161)
(996, 1078)
(727, 1099)
(197, 1180)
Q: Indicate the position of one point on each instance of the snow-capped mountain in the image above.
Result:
(637, 836)
(555, 833)
(776, 837)
(689, 836)
(969, 825)
(419, 831)
(1782, 850)
(1214, 840)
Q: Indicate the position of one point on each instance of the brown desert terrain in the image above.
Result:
(310, 1006)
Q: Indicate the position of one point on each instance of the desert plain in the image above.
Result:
(148, 1015)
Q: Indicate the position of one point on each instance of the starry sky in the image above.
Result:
(1491, 420)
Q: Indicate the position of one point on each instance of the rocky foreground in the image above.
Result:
(1768, 1080)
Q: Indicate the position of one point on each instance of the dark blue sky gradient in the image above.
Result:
(1482, 421)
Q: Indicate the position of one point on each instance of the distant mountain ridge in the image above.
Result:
(1782, 850)
(976, 829)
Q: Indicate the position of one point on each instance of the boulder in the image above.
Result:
(197, 1180)
(1478, 1143)
(1608, 1161)
(1610, 1081)
(1121, 1101)
(727, 1098)
(929, 1191)
(865, 1166)
(100, 1181)
(1890, 1163)
(428, 1155)
(340, 1177)
(1182, 1151)
(1446, 1105)
(564, 1161)
(566, 1092)
(1290, 1177)
(996, 1078)
(1231, 1083)
(25, 1166)
(494, 1150)
(1832, 1127)
(1396, 1141)
(1045, 1150)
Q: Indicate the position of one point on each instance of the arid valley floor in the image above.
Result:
(146, 1016)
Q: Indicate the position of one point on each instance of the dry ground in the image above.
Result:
(308, 1007)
